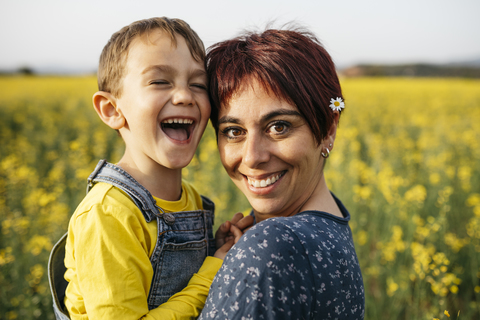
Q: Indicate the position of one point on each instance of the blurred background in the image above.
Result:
(406, 161)
(55, 36)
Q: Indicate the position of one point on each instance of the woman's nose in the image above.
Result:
(255, 151)
(182, 96)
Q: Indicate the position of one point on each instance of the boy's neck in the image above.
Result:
(161, 182)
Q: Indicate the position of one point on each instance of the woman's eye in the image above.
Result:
(232, 133)
(279, 128)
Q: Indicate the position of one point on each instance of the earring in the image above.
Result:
(330, 145)
(326, 155)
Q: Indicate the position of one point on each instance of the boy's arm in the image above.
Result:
(112, 272)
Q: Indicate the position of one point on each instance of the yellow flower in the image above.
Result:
(473, 200)
(454, 289)
(392, 286)
(418, 193)
(446, 313)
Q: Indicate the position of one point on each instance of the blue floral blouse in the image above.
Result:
(299, 267)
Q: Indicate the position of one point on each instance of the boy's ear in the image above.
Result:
(106, 107)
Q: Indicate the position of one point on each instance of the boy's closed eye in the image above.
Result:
(199, 86)
(159, 82)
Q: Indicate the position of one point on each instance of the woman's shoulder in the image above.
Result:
(273, 236)
(266, 263)
(304, 222)
(269, 248)
(302, 231)
(272, 227)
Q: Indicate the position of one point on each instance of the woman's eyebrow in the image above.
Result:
(228, 119)
(264, 118)
(280, 112)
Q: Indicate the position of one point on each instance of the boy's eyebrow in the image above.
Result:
(171, 70)
(162, 68)
(199, 73)
(264, 118)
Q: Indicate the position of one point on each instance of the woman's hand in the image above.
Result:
(230, 232)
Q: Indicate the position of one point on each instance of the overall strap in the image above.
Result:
(116, 176)
(208, 205)
(209, 220)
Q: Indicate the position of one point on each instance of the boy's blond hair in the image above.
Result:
(114, 55)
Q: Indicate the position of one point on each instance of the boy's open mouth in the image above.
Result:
(177, 128)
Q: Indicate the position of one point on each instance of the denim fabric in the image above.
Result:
(184, 239)
(58, 284)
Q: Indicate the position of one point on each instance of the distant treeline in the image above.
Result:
(29, 71)
(365, 70)
(411, 70)
(22, 71)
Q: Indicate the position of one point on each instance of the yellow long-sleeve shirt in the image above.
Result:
(108, 264)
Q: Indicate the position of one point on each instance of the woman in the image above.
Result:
(276, 103)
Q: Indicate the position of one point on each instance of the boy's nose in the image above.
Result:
(183, 96)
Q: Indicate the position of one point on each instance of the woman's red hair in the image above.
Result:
(292, 64)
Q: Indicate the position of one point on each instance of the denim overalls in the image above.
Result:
(184, 240)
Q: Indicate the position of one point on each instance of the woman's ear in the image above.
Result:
(332, 133)
(105, 105)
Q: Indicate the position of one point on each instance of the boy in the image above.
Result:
(141, 233)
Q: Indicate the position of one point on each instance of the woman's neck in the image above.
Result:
(322, 200)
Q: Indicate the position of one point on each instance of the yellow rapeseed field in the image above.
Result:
(406, 163)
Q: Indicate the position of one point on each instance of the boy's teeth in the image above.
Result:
(179, 121)
(263, 183)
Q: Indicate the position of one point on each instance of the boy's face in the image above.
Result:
(164, 101)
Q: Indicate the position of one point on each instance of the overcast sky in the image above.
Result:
(70, 34)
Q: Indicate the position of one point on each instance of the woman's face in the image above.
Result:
(269, 152)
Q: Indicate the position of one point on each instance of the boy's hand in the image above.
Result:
(225, 232)
(241, 222)
(226, 242)
(230, 232)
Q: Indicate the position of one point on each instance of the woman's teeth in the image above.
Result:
(263, 183)
(178, 120)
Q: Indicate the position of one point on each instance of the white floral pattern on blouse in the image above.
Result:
(299, 267)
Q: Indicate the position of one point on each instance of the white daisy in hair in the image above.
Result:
(337, 104)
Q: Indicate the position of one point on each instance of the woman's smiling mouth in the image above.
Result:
(178, 129)
(262, 183)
